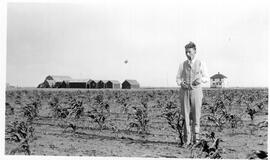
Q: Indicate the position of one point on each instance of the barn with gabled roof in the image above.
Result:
(101, 83)
(92, 83)
(130, 84)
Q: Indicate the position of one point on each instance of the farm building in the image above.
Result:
(54, 81)
(41, 85)
(92, 83)
(112, 84)
(47, 84)
(60, 84)
(64, 84)
(130, 84)
(101, 83)
(77, 83)
(218, 81)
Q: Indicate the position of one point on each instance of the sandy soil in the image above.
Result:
(53, 138)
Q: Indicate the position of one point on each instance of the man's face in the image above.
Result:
(190, 53)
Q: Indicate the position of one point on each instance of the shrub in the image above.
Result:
(20, 133)
(175, 120)
(139, 117)
(100, 111)
(30, 110)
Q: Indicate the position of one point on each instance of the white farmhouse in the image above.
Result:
(218, 81)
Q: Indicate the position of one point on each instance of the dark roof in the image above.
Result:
(132, 82)
(91, 80)
(104, 81)
(78, 80)
(218, 76)
(114, 81)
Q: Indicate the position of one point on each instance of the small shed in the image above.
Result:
(218, 81)
(130, 84)
(101, 83)
(92, 83)
(112, 84)
(77, 83)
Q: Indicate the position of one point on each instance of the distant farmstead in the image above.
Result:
(218, 81)
(130, 84)
(57, 81)
(52, 81)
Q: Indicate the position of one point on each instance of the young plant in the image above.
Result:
(70, 110)
(22, 147)
(123, 101)
(57, 110)
(76, 111)
(30, 110)
(100, 111)
(175, 120)
(9, 109)
(221, 121)
(139, 117)
(203, 150)
(251, 112)
(20, 133)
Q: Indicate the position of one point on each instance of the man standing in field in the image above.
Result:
(191, 74)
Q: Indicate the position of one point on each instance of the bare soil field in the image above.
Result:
(130, 123)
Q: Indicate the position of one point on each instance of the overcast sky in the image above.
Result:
(92, 40)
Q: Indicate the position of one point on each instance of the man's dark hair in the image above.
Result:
(190, 45)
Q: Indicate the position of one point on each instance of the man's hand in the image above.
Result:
(197, 82)
(184, 85)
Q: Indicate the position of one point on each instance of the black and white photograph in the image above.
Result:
(170, 79)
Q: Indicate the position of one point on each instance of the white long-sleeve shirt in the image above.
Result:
(205, 76)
